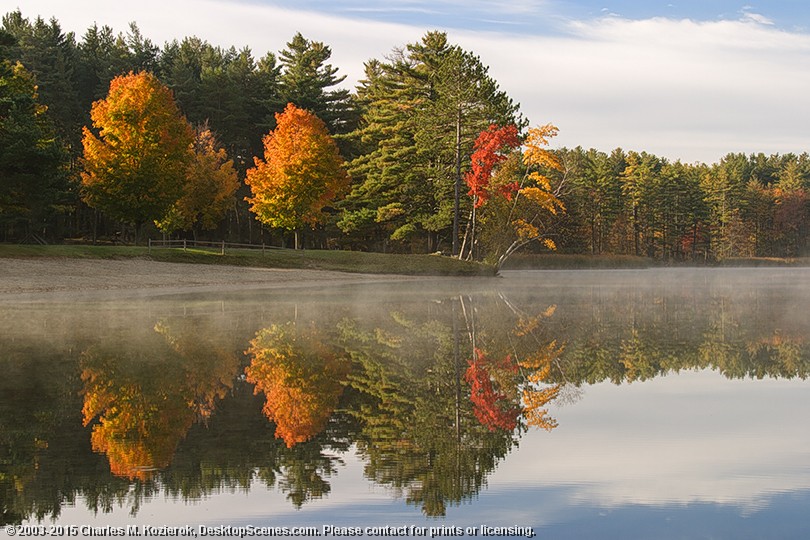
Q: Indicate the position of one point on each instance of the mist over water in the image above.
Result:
(587, 404)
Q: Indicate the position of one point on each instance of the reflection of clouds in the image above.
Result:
(691, 437)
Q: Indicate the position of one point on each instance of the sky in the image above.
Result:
(687, 80)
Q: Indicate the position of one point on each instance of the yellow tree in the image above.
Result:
(211, 183)
(135, 163)
(302, 172)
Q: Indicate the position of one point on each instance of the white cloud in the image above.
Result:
(678, 88)
(757, 18)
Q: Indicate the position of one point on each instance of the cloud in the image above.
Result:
(734, 456)
(757, 18)
(679, 88)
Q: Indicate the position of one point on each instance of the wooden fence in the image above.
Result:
(221, 246)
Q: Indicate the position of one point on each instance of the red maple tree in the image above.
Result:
(491, 147)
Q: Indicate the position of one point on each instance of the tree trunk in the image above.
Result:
(457, 188)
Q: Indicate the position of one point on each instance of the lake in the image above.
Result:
(624, 404)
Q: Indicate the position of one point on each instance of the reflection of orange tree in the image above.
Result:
(300, 376)
(209, 367)
(145, 396)
(142, 412)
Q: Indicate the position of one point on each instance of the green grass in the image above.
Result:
(342, 261)
(561, 261)
(756, 262)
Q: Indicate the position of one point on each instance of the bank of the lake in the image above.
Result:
(559, 261)
(324, 260)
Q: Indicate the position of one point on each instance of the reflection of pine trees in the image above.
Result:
(639, 335)
(419, 435)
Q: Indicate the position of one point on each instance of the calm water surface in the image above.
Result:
(609, 404)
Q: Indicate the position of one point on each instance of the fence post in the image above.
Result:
(222, 252)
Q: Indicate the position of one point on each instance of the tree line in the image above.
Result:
(431, 156)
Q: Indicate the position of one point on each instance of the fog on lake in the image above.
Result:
(664, 403)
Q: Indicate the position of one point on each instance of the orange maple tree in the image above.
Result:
(135, 163)
(301, 173)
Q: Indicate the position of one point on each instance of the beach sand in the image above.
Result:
(43, 278)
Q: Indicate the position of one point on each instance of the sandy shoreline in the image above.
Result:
(42, 278)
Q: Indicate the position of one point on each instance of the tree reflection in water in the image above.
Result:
(301, 376)
(433, 395)
(141, 400)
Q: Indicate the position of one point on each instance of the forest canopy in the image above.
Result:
(420, 176)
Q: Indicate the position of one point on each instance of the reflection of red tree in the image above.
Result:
(492, 408)
(300, 378)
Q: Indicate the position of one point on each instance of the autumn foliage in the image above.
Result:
(139, 425)
(491, 148)
(493, 408)
(209, 189)
(135, 162)
(300, 378)
(301, 173)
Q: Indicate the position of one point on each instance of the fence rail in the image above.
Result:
(221, 246)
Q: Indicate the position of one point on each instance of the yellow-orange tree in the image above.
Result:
(135, 163)
(300, 376)
(211, 183)
(302, 172)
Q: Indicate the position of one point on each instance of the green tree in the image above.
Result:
(51, 56)
(466, 101)
(33, 162)
(593, 199)
(421, 113)
(135, 166)
(306, 78)
(386, 164)
(791, 213)
(102, 57)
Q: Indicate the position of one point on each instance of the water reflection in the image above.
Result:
(431, 390)
(301, 376)
(142, 393)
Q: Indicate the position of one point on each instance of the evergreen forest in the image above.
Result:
(427, 154)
